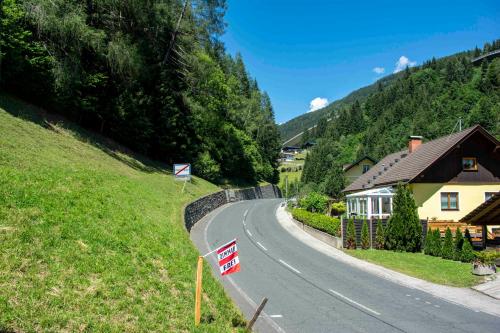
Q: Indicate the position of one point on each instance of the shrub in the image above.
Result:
(437, 244)
(338, 208)
(467, 253)
(429, 242)
(404, 231)
(380, 236)
(448, 248)
(351, 235)
(206, 167)
(365, 236)
(459, 242)
(318, 221)
(314, 202)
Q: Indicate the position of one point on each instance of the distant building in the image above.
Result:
(355, 169)
(449, 177)
(291, 149)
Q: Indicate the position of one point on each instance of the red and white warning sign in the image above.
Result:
(228, 258)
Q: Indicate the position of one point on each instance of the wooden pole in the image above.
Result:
(197, 305)
(257, 313)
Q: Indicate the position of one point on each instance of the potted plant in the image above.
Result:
(484, 263)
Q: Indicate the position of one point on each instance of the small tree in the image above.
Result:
(314, 202)
(448, 248)
(468, 237)
(459, 242)
(380, 236)
(338, 208)
(365, 236)
(404, 231)
(467, 252)
(437, 244)
(429, 242)
(351, 235)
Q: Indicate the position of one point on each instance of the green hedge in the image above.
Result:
(318, 221)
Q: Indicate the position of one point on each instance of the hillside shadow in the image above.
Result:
(57, 123)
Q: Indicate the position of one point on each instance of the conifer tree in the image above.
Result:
(448, 248)
(351, 235)
(459, 242)
(467, 236)
(365, 236)
(429, 242)
(380, 236)
(467, 254)
(437, 244)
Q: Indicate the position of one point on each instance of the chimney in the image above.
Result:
(414, 143)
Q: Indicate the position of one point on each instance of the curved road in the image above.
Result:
(311, 292)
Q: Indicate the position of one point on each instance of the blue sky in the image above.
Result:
(320, 50)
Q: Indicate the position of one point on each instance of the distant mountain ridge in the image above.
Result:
(299, 124)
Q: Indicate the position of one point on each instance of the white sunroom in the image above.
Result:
(375, 203)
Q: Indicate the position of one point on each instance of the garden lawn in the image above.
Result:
(92, 239)
(419, 265)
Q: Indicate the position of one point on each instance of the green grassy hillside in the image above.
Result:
(92, 239)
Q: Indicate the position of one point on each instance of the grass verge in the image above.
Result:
(92, 239)
(419, 265)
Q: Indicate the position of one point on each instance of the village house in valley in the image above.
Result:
(353, 170)
(449, 177)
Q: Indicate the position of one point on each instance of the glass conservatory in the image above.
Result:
(371, 203)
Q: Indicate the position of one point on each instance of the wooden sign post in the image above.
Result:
(197, 305)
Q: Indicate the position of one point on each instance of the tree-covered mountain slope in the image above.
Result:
(430, 100)
(151, 74)
(305, 121)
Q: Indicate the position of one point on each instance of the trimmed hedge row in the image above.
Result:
(318, 221)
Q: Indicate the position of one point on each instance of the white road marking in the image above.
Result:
(245, 214)
(244, 223)
(417, 298)
(354, 302)
(275, 316)
(436, 306)
(287, 265)
(262, 246)
(408, 295)
(427, 302)
(249, 233)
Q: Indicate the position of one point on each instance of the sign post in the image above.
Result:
(227, 256)
(182, 172)
(197, 305)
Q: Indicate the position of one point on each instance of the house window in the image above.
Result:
(449, 201)
(386, 205)
(366, 167)
(488, 195)
(469, 164)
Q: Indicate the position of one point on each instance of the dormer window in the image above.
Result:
(366, 167)
(469, 164)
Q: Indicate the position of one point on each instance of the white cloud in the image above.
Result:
(402, 63)
(379, 70)
(317, 103)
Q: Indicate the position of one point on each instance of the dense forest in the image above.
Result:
(427, 100)
(151, 74)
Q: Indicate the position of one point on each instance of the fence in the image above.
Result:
(372, 229)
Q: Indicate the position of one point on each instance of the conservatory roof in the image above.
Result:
(381, 191)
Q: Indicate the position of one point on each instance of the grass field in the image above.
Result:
(419, 265)
(92, 239)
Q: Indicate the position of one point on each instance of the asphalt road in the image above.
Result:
(311, 292)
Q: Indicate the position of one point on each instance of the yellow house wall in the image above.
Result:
(357, 170)
(428, 199)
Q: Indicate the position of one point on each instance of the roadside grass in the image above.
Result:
(419, 265)
(92, 239)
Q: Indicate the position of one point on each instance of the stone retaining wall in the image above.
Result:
(195, 210)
